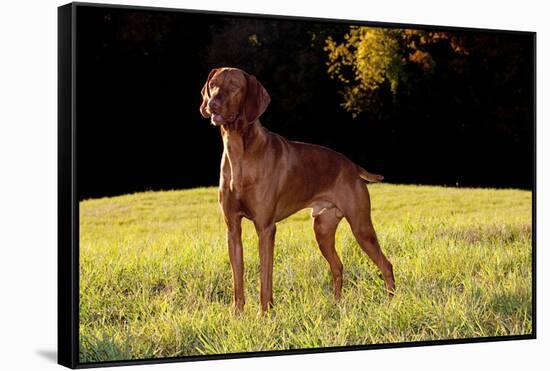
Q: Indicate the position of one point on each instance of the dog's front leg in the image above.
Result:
(235, 245)
(266, 236)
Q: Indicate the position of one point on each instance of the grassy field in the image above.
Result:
(155, 279)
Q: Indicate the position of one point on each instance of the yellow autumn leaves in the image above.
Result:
(370, 57)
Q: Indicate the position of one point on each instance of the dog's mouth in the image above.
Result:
(218, 119)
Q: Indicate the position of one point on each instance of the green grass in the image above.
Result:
(155, 279)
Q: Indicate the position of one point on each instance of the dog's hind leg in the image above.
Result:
(324, 225)
(360, 221)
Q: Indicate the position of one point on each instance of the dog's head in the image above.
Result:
(232, 97)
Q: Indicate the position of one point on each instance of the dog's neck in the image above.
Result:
(251, 134)
(238, 142)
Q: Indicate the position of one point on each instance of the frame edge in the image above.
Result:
(67, 340)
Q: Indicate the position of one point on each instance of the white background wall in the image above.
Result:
(28, 181)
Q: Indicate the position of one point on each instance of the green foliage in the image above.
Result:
(155, 279)
(371, 57)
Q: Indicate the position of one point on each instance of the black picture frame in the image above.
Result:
(68, 206)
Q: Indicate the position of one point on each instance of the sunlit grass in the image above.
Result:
(155, 279)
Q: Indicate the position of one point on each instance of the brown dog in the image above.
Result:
(266, 178)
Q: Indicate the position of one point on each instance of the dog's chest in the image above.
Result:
(240, 180)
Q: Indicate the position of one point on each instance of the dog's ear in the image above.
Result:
(257, 99)
(205, 92)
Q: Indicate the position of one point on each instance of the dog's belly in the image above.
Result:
(255, 212)
(317, 207)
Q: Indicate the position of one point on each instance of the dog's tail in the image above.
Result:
(365, 175)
